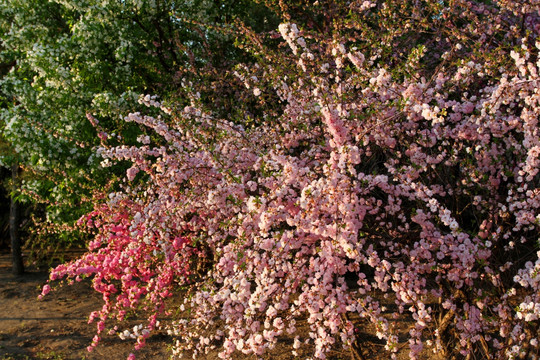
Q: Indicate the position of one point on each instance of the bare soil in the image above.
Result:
(56, 328)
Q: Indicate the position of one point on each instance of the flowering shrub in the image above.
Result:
(396, 155)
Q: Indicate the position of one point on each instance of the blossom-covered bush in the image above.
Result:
(392, 153)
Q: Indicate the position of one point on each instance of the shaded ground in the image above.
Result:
(56, 328)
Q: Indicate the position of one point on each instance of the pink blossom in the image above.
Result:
(412, 174)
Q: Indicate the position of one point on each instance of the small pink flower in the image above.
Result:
(103, 135)
(178, 242)
(131, 173)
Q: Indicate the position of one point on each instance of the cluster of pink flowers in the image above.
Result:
(130, 274)
(372, 182)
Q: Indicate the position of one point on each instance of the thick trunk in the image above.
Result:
(16, 253)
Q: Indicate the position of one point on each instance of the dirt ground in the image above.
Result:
(56, 327)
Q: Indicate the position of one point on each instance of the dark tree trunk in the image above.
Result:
(16, 253)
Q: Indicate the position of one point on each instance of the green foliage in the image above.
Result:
(62, 59)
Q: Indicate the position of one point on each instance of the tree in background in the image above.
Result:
(64, 59)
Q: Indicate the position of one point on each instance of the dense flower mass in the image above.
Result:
(399, 160)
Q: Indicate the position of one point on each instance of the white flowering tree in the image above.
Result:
(63, 59)
(68, 58)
